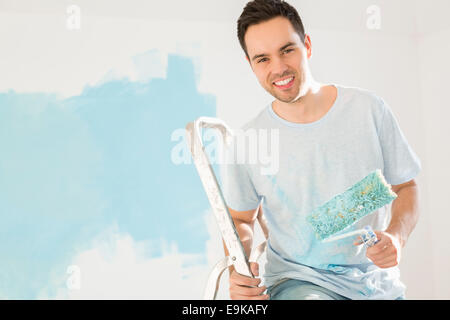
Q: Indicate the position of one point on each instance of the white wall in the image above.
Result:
(433, 35)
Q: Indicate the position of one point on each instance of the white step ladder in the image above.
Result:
(237, 256)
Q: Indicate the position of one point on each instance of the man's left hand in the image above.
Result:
(386, 252)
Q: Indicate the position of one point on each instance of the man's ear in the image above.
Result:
(308, 46)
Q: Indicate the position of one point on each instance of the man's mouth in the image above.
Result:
(284, 83)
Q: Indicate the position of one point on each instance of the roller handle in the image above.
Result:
(369, 237)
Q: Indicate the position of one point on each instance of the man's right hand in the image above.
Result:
(246, 288)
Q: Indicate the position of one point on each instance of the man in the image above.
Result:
(330, 137)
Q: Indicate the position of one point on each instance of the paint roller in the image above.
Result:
(345, 209)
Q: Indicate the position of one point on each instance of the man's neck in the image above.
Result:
(310, 107)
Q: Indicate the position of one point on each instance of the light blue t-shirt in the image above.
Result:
(317, 161)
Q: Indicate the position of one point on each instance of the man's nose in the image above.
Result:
(279, 68)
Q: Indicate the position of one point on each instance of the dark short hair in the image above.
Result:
(258, 11)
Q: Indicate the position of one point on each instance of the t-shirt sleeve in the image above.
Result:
(401, 163)
(237, 186)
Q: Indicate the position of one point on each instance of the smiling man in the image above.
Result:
(330, 137)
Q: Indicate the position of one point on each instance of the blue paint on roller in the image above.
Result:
(345, 209)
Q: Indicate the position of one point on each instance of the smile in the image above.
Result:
(284, 84)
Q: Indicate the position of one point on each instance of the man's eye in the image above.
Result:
(288, 50)
(262, 60)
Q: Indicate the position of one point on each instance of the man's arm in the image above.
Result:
(404, 216)
(242, 287)
(244, 221)
(405, 211)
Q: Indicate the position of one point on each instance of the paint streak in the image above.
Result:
(71, 167)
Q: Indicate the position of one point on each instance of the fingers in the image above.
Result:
(239, 292)
(379, 254)
(384, 254)
(379, 251)
(388, 264)
(358, 241)
(387, 258)
(240, 280)
(254, 267)
(247, 288)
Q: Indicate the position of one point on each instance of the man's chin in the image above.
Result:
(284, 98)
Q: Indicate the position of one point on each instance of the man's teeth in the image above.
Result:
(284, 82)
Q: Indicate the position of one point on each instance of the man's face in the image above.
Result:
(277, 54)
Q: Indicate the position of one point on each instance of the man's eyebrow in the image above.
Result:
(281, 49)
